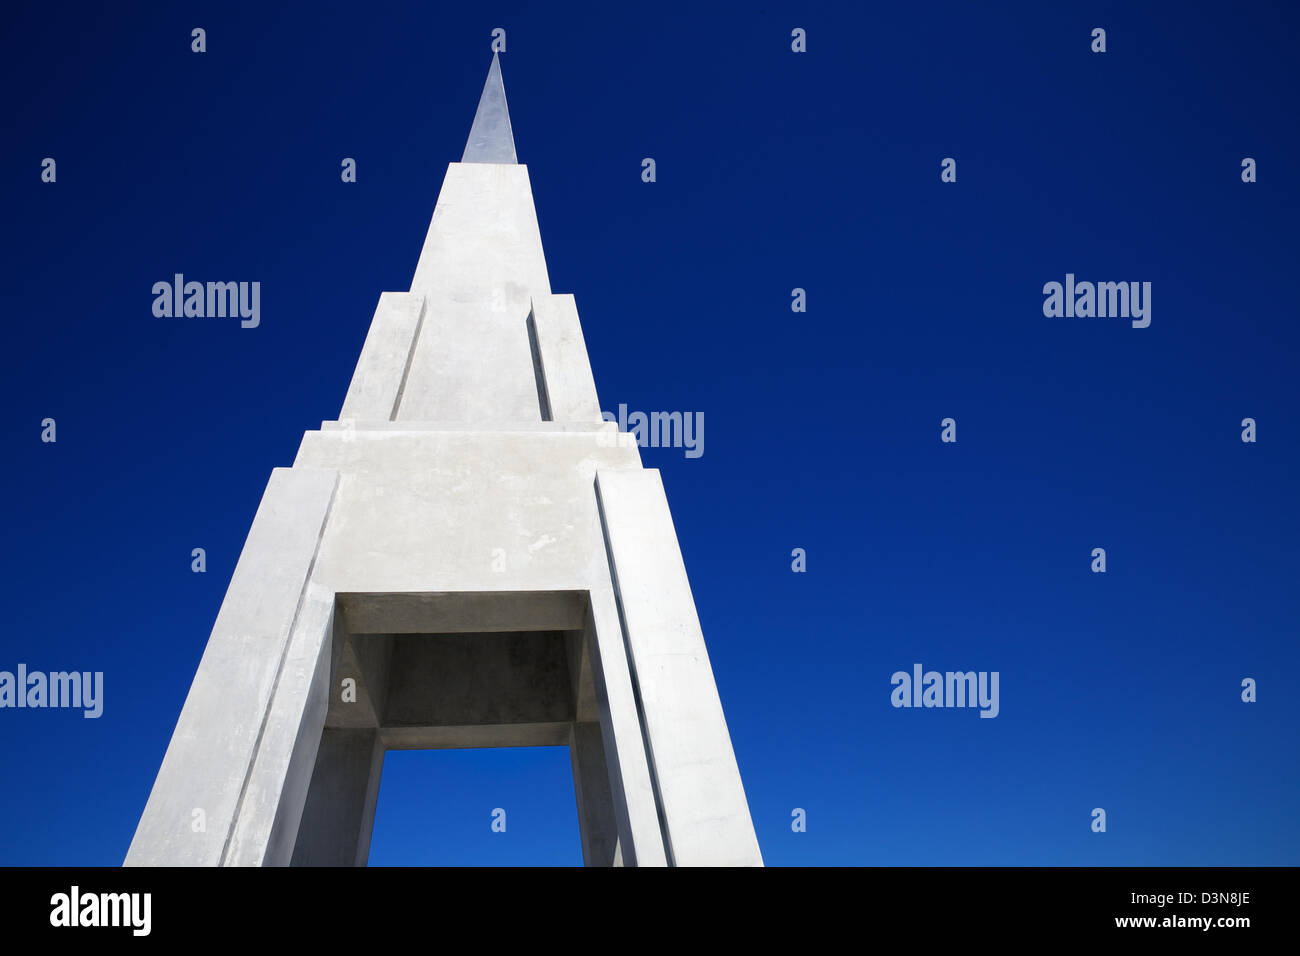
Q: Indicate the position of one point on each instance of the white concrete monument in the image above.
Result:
(469, 557)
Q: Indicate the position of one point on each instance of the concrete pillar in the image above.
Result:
(596, 822)
(706, 818)
(196, 798)
(636, 813)
(339, 815)
(266, 824)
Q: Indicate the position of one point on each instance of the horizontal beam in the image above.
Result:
(462, 612)
(554, 734)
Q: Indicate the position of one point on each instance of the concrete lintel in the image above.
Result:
(462, 612)
(489, 679)
(551, 734)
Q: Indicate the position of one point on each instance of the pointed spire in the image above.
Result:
(490, 138)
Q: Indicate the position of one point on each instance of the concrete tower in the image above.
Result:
(469, 557)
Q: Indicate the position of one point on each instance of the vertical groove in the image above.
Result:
(539, 372)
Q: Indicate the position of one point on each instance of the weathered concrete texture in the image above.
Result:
(469, 557)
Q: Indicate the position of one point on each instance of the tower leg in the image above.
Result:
(591, 787)
(339, 815)
(705, 816)
(200, 793)
(627, 766)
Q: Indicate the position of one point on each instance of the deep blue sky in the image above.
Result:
(775, 170)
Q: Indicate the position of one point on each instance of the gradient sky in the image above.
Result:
(775, 170)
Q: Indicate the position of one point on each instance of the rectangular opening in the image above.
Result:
(418, 679)
(491, 807)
